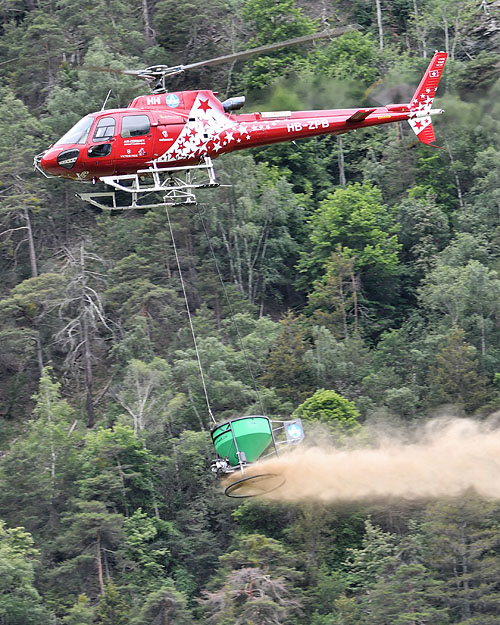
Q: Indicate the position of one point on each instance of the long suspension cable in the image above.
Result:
(189, 317)
(231, 313)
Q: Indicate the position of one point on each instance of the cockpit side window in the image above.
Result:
(105, 129)
(79, 132)
(135, 126)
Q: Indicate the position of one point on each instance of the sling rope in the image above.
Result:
(231, 313)
(189, 317)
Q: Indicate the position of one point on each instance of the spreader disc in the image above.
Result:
(255, 485)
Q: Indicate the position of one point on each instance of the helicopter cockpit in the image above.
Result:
(78, 133)
(111, 140)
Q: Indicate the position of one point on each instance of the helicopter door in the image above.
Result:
(135, 140)
(101, 151)
(169, 127)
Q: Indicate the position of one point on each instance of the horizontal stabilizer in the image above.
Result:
(359, 115)
(422, 127)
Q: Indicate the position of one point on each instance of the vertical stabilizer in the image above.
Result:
(421, 103)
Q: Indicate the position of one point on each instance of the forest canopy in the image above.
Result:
(359, 284)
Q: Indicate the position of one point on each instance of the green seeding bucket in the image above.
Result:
(251, 435)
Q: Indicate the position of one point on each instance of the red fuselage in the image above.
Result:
(178, 129)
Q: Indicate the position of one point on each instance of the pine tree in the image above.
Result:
(286, 369)
(461, 543)
(456, 378)
(112, 608)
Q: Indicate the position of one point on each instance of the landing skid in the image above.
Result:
(175, 184)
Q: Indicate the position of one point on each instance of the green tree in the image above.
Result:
(273, 22)
(39, 39)
(365, 564)
(455, 377)
(257, 582)
(143, 553)
(424, 232)
(481, 210)
(165, 605)
(451, 20)
(286, 369)
(116, 469)
(339, 364)
(331, 409)
(27, 316)
(466, 296)
(406, 596)
(36, 476)
(251, 228)
(87, 540)
(145, 393)
(112, 608)
(356, 218)
(224, 374)
(20, 602)
(352, 56)
(82, 613)
(189, 32)
(334, 300)
(461, 547)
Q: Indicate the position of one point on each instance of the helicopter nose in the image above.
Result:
(48, 162)
(57, 163)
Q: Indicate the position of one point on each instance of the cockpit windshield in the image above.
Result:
(79, 132)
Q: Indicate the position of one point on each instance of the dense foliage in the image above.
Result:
(360, 279)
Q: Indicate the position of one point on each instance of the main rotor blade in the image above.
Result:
(244, 54)
(9, 61)
(111, 70)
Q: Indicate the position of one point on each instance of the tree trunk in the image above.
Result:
(87, 366)
(340, 145)
(379, 23)
(99, 564)
(86, 353)
(420, 32)
(31, 243)
(149, 33)
(355, 299)
(457, 179)
(34, 274)
(446, 36)
(124, 490)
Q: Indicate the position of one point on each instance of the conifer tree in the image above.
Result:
(455, 377)
(112, 608)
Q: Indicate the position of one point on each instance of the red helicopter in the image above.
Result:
(163, 142)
